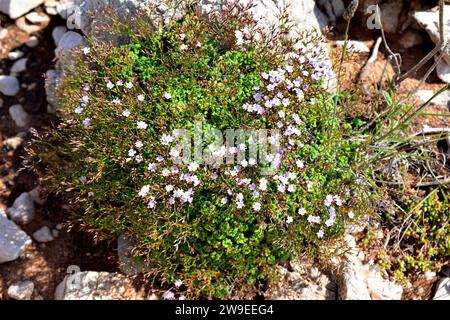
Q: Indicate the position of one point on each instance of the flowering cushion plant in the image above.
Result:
(220, 156)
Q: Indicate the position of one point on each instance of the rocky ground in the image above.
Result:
(42, 258)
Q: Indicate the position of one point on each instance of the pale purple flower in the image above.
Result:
(328, 200)
(152, 167)
(86, 122)
(141, 98)
(320, 234)
(166, 139)
(301, 211)
(109, 85)
(139, 144)
(85, 99)
(90, 194)
(144, 190)
(126, 113)
(193, 166)
(151, 204)
(165, 172)
(299, 164)
(159, 158)
(168, 295)
(79, 110)
(142, 125)
(178, 283)
(131, 153)
(256, 206)
(351, 215)
(289, 219)
(119, 83)
(139, 158)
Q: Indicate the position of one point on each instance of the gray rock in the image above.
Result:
(333, 9)
(17, 8)
(442, 99)
(305, 282)
(35, 194)
(58, 33)
(129, 264)
(429, 20)
(364, 282)
(44, 234)
(32, 42)
(19, 115)
(443, 71)
(22, 211)
(411, 38)
(390, 13)
(14, 55)
(37, 18)
(443, 290)
(96, 286)
(69, 40)
(9, 85)
(51, 81)
(19, 66)
(21, 290)
(13, 241)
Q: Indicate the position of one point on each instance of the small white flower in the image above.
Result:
(86, 50)
(110, 85)
(116, 102)
(169, 188)
(126, 113)
(139, 144)
(168, 295)
(291, 188)
(281, 114)
(151, 203)
(174, 153)
(165, 172)
(152, 167)
(166, 139)
(301, 211)
(141, 98)
(178, 283)
(198, 44)
(184, 47)
(79, 110)
(144, 191)
(328, 200)
(351, 215)
(182, 297)
(320, 234)
(167, 96)
(119, 83)
(142, 125)
(193, 166)
(139, 158)
(300, 164)
(131, 153)
(289, 219)
(371, 262)
(182, 36)
(129, 85)
(86, 122)
(85, 99)
(224, 200)
(251, 161)
(256, 206)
